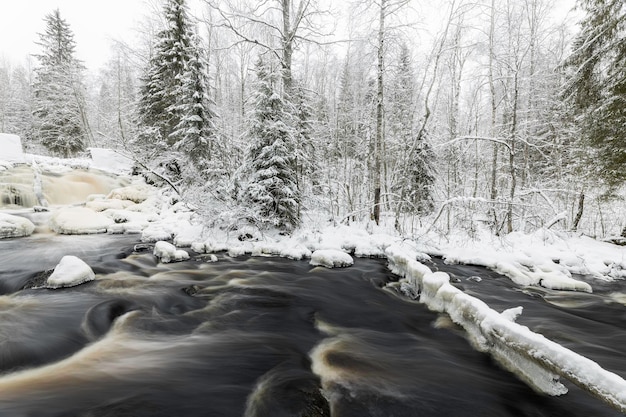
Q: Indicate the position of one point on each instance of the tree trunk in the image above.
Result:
(492, 89)
(513, 134)
(287, 41)
(379, 113)
(579, 213)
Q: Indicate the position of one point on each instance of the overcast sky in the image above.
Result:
(94, 23)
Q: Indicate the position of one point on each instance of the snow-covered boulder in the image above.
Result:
(331, 258)
(70, 271)
(15, 226)
(79, 221)
(136, 193)
(108, 204)
(166, 252)
(11, 148)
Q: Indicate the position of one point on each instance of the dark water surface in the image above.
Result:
(262, 337)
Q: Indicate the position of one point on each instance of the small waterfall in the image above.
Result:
(24, 186)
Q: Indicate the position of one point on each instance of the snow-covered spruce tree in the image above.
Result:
(271, 191)
(60, 121)
(195, 130)
(596, 86)
(174, 106)
(306, 162)
(410, 156)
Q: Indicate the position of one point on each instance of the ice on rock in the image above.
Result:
(166, 252)
(70, 271)
(15, 226)
(331, 258)
(79, 221)
(137, 193)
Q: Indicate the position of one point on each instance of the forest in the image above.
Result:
(482, 116)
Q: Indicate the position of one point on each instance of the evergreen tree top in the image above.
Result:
(57, 41)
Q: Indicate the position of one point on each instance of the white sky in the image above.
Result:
(94, 24)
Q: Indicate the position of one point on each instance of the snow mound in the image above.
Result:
(533, 358)
(137, 193)
(15, 226)
(544, 257)
(331, 258)
(526, 260)
(166, 252)
(108, 204)
(110, 160)
(79, 221)
(156, 232)
(70, 271)
(11, 148)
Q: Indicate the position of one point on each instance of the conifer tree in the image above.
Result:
(195, 127)
(411, 155)
(174, 105)
(596, 86)
(306, 163)
(58, 100)
(271, 190)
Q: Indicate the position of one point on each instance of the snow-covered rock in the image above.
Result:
(166, 252)
(331, 258)
(156, 232)
(79, 221)
(137, 193)
(11, 148)
(15, 226)
(108, 204)
(70, 271)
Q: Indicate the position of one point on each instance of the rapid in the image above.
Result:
(266, 336)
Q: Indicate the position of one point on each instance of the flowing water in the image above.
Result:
(266, 337)
(18, 186)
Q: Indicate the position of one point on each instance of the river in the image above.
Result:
(263, 336)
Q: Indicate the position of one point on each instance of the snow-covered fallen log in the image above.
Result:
(533, 358)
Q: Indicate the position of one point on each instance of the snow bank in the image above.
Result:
(110, 160)
(70, 271)
(79, 221)
(331, 258)
(11, 148)
(535, 359)
(166, 252)
(15, 226)
(545, 257)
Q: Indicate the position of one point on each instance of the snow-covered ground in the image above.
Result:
(543, 258)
